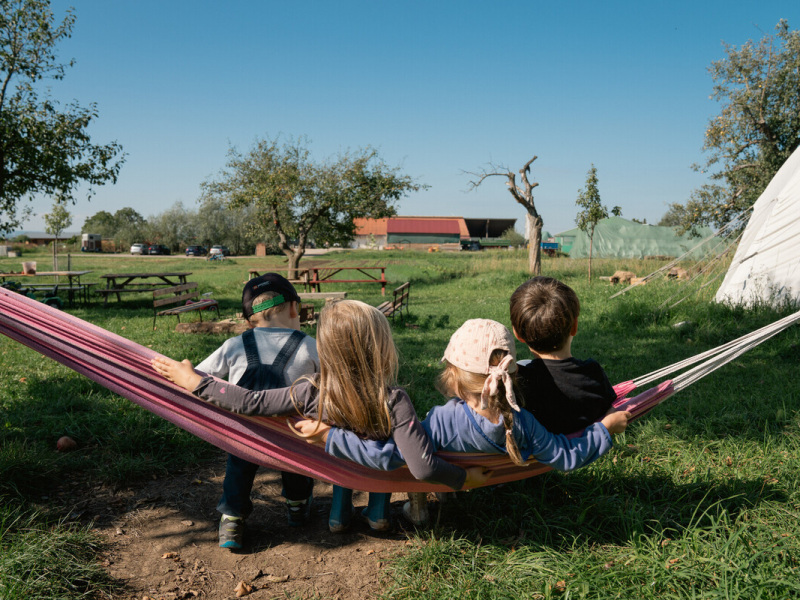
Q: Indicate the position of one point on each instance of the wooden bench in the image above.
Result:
(180, 294)
(398, 302)
(81, 291)
(136, 288)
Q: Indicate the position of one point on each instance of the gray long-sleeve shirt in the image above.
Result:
(407, 431)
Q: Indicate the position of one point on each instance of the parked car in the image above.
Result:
(139, 249)
(196, 251)
(220, 250)
(158, 249)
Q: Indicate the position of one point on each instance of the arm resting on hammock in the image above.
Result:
(416, 447)
(452, 433)
(406, 428)
(266, 403)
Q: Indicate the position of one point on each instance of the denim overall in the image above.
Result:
(239, 473)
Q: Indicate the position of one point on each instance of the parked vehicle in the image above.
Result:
(223, 250)
(91, 242)
(196, 251)
(139, 249)
(158, 249)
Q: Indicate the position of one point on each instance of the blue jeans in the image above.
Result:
(238, 483)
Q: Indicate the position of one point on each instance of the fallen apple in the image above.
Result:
(66, 444)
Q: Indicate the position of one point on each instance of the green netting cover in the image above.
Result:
(616, 237)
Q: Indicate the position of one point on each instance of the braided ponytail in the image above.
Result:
(508, 422)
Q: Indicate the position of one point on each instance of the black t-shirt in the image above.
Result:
(565, 395)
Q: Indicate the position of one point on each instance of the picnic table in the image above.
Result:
(73, 282)
(356, 274)
(302, 275)
(123, 283)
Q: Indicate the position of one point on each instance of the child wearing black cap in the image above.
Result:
(272, 353)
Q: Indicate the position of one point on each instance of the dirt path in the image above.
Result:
(163, 543)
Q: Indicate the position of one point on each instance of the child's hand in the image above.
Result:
(476, 476)
(181, 373)
(616, 421)
(312, 430)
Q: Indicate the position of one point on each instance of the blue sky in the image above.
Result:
(438, 87)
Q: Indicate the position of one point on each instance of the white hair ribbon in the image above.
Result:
(496, 374)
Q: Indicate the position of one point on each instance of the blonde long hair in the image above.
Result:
(454, 381)
(357, 364)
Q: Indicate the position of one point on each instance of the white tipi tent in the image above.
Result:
(766, 266)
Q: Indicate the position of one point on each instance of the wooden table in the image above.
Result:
(302, 275)
(367, 275)
(73, 282)
(123, 283)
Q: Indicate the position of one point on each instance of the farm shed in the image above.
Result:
(423, 231)
(373, 233)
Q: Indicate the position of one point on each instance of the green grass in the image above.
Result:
(697, 500)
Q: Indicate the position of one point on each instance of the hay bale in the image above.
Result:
(622, 277)
(678, 273)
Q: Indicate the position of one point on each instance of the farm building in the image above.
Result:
(446, 233)
(616, 237)
(40, 238)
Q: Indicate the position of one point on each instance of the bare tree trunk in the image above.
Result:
(524, 195)
(533, 226)
(591, 245)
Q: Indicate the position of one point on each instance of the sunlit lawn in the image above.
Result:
(697, 500)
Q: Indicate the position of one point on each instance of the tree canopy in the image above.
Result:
(757, 129)
(299, 199)
(44, 148)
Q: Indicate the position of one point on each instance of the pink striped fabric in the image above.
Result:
(124, 367)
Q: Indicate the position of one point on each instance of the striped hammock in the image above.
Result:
(123, 367)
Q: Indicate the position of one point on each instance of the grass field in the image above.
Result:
(697, 500)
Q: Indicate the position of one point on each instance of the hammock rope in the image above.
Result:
(123, 367)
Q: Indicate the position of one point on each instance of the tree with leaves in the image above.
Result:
(235, 227)
(524, 195)
(593, 210)
(758, 86)
(300, 199)
(124, 227)
(514, 237)
(44, 148)
(56, 221)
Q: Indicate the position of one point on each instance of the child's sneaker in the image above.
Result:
(298, 511)
(416, 509)
(231, 532)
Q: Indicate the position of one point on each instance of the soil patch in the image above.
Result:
(162, 542)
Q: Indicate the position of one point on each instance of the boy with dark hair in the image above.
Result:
(563, 393)
(272, 353)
